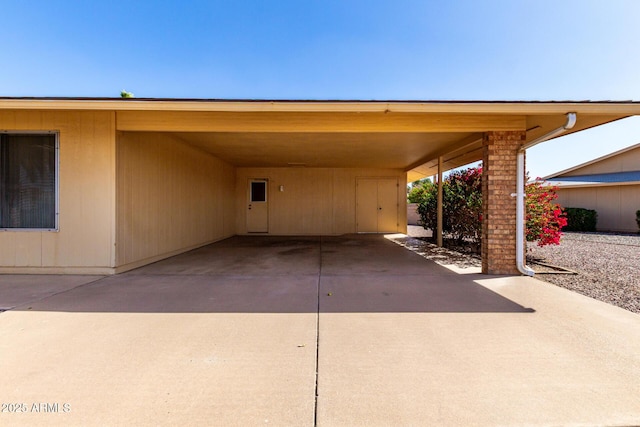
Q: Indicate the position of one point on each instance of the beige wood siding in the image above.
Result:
(624, 162)
(171, 198)
(616, 205)
(85, 240)
(315, 201)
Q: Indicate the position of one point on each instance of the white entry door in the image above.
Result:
(377, 205)
(258, 206)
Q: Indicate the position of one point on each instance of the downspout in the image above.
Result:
(520, 195)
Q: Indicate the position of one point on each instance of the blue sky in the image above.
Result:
(469, 50)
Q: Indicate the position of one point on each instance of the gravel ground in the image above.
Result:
(607, 265)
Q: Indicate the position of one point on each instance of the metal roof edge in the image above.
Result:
(458, 101)
(621, 108)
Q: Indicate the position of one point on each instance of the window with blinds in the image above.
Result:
(28, 187)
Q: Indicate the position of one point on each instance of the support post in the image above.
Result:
(439, 204)
(499, 179)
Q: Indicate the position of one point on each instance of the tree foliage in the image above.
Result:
(418, 190)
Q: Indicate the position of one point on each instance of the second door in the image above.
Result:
(377, 205)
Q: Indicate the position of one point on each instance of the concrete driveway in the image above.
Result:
(333, 331)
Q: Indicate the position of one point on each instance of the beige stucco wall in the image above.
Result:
(171, 197)
(85, 240)
(616, 205)
(413, 217)
(315, 201)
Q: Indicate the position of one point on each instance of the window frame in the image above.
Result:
(265, 184)
(56, 135)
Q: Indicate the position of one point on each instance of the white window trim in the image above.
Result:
(57, 179)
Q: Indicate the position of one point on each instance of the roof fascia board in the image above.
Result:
(133, 104)
(291, 122)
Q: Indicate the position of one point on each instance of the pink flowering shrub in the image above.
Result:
(544, 218)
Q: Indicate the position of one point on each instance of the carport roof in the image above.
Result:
(401, 134)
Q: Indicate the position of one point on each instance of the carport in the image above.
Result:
(306, 321)
(140, 180)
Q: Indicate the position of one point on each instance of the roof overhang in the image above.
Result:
(407, 135)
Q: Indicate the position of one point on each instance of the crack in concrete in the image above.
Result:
(315, 406)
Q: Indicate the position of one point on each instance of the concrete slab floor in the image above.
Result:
(17, 289)
(234, 334)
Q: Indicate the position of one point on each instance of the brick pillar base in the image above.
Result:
(498, 206)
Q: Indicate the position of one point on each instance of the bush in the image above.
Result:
(461, 203)
(638, 220)
(462, 209)
(544, 218)
(418, 191)
(579, 219)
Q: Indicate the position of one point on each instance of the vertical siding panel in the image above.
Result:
(177, 197)
(229, 194)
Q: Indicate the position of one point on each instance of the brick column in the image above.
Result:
(498, 207)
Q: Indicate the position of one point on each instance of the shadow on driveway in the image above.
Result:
(261, 274)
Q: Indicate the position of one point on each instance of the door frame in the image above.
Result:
(249, 202)
(397, 202)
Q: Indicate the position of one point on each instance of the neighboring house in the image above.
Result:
(610, 185)
(103, 185)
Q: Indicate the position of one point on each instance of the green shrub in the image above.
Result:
(462, 205)
(638, 220)
(418, 191)
(579, 219)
